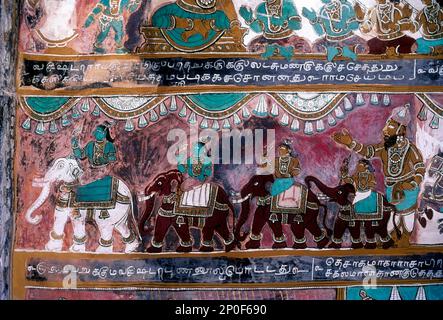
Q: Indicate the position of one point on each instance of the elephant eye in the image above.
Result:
(340, 192)
(160, 183)
(256, 184)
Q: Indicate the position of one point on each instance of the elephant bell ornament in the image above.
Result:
(206, 4)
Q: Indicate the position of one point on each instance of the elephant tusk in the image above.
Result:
(144, 198)
(237, 201)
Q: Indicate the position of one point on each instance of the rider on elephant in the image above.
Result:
(197, 168)
(111, 17)
(430, 21)
(390, 21)
(100, 152)
(276, 20)
(287, 167)
(337, 21)
(403, 165)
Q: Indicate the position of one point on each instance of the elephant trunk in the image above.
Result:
(146, 215)
(328, 191)
(37, 204)
(244, 215)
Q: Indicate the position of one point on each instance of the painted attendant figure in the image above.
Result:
(390, 21)
(403, 167)
(430, 20)
(287, 167)
(110, 14)
(197, 168)
(337, 21)
(277, 20)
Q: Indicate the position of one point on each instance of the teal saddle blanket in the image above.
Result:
(99, 191)
(369, 208)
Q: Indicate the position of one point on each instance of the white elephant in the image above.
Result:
(120, 217)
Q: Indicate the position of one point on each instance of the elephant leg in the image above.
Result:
(106, 229)
(340, 227)
(385, 238)
(227, 235)
(277, 234)
(356, 236)
(56, 236)
(80, 237)
(162, 225)
(260, 219)
(184, 235)
(298, 230)
(207, 241)
(320, 236)
(128, 237)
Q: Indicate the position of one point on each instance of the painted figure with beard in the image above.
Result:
(403, 167)
(110, 14)
(276, 20)
(390, 20)
(337, 21)
(430, 20)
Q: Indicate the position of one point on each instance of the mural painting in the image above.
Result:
(285, 149)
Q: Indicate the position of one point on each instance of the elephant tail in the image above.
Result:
(133, 211)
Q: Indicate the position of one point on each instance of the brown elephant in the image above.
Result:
(344, 196)
(175, 212)
(299, 219)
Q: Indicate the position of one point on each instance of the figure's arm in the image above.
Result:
(292, 16)
(311, 15)
(255, 24)
(372, 183)
(368, 151)
(133, 5)
(97, 10)
(111, 153)
(79, 153)
(419, 19)
(369, 23)
(349, 17)
(403, 18)
(295, 168)
(419, 166)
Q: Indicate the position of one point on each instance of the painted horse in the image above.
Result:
(374, 223)
(432, 195)
(205, 207)
(272, 211)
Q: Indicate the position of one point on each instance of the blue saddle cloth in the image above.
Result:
(370, 208)
(97, 191)
(367, 206)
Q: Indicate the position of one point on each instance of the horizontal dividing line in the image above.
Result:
(265, 253)
(267, 285)
(158, 90)
(308, 56)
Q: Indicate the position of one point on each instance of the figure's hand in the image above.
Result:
(343, 137)
(310, 14)
(74, 142)
(408, 186)
(398, 193)
(359, 12)
(89, 21)
(407, 11)
(246, 13)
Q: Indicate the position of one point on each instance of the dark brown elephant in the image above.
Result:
(210, 219)
(258, 187)
(344, 196)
